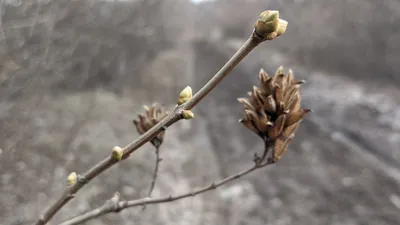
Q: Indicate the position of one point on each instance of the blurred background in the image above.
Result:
(74, 73)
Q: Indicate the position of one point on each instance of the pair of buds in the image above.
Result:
(185, 95)
(269, 26)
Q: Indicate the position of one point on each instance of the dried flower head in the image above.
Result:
(273, 110)
(145, 122)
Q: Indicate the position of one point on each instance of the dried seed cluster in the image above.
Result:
(273, 110)
(145, 122)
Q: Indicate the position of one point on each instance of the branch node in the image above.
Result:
(116, 197)
(185, 101)
(120, 206)
(82, 179)
(41, 219)
(271, 160)
(256, 159)
(212, 186)
(71, 196)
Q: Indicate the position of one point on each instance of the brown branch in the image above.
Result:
(155, 173)
(170, 119)
(109, 206)
(115, 205)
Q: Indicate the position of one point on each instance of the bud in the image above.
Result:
(117, 153)
(187, 114)
(282, 26)
(269, 26)
(72, 178)
(185, 95)
(267, 23)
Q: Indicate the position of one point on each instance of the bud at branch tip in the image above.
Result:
(282, 26)
(269, 26)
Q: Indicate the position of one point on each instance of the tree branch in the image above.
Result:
(170, 119)
(155, 173)
(117, 205)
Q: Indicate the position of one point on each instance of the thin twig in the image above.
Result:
(109, 206)
(155, 173)
(117, 206)
(170, 119)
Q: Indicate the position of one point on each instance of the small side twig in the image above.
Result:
(155, 173)
(117, 206)
(170, 119)
(266, 28)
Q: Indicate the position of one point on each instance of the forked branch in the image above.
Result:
(267, 27)
(155, 173)
(116, 205)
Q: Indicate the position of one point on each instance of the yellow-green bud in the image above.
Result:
(267, 23)
(72, 178)
(117, 153)
(187, 114)
(185, 95)
(281, 27)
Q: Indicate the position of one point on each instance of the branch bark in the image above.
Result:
(116, 205)
(155, 173)
(70, 192)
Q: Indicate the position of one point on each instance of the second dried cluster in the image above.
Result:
(273, 110)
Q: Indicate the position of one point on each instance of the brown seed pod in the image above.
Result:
(145, 122)
(273, 110)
